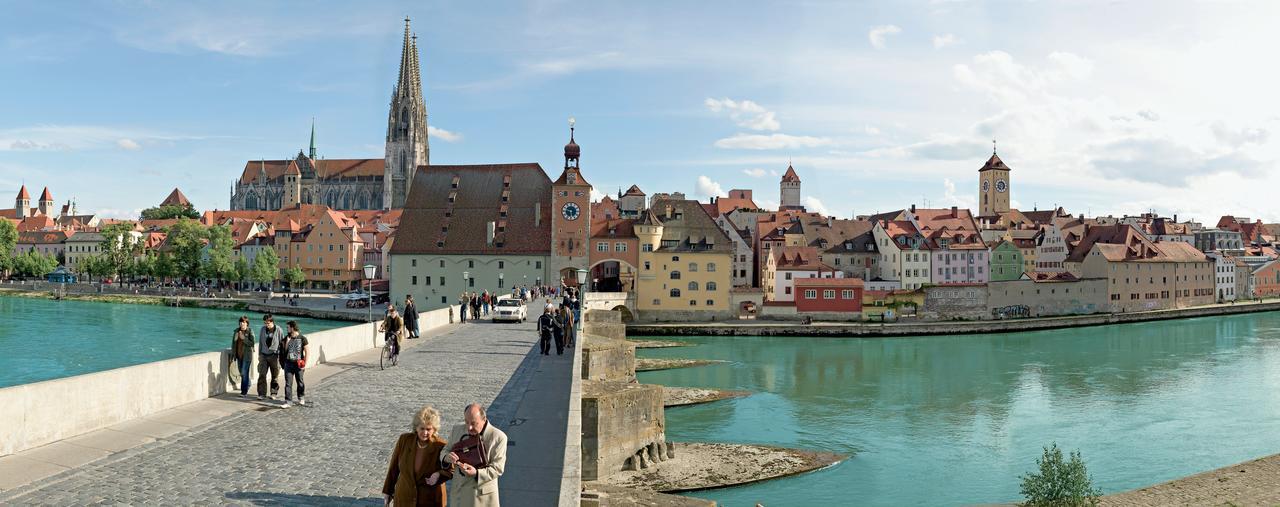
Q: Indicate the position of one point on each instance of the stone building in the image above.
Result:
(349, 183)
(685, 261)
(955, 302)
(1046, 295)
(1143, 274)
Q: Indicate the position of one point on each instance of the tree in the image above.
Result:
(242, 270)
(187, 237)
(8, 238)
(1059, 483)
(219, 264)
(164, 267)
(294, 277)
(119, 247)
(266, 267)
(170, 211)
(144, 266)
(92, 266)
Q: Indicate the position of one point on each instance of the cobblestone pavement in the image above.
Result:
(333, 451)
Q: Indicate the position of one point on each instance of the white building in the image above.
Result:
(786, 264)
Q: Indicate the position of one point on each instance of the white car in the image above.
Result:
(509, 310)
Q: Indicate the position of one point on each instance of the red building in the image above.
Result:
(828, 295)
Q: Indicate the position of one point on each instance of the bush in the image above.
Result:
(1059, 483)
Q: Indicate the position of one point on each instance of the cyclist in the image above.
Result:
(392, 327)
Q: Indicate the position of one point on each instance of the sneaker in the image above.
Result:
(261, 397)
(286, 404)
(302, 401)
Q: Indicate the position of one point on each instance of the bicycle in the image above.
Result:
(389, 356)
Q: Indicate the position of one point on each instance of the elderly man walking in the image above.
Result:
(548, 326)
(477, 453)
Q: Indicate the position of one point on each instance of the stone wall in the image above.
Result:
(605, 354)
(623, 425)
(685, 315)
(955, 302)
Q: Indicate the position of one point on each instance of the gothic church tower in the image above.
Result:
(407, 147)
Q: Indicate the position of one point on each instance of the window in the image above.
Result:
(675, 258)
(675, 275)
(426, 280)
(711, 286)
(602, 246)
(828, 294)
(471, 282)
(693, 286)
(502, 264)
(846, 294)
(711, 302)
(693, 302)
(619, 247)
(537, 265)
(647, 266)
(442, 263)
(442, 281)
(647, 247)
(811, 293)
(415, 280)
(413, 262)
(788, 291)
(675, 293)
(711, 267)
(693, 267)
(657, 302)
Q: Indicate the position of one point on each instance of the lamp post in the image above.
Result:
(500, 286)
(466, 275)
(582, 299)
(369, 271)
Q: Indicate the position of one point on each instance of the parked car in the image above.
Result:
(509, 310)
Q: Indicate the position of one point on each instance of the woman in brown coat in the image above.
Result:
(414, 476)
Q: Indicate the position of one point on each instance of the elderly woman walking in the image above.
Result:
(414, 476)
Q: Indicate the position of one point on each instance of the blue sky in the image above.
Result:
(1101, 107)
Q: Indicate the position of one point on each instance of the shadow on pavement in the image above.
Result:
(265, 498)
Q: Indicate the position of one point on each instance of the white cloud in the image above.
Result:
(83, 137)
(812, 203)
(936, 148)
(951, 198)
(1236, 138)
(443, 135)
(944, 40)
(745, 113)
(1166, 162)
(765, 203)
(1149, 115)
(878, 33)
(596, 195)
(770, 142)
(707, 188)
(128, 144)
(755, 173)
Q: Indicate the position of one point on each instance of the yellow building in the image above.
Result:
(686, 261)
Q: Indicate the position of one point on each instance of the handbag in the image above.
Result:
(470, 450)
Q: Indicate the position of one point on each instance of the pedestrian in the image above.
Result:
(575, 305)
(410, 316)
(270, 338)
(477, 453)
(295, 361)
(570, 329)
(562, 320)
(462, 306)
(242, 350)
(546, 329)
(484, 301)
(475, 306)
(415, 476)
(392, 329)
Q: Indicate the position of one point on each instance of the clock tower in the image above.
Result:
(993, 189)
(571, 218)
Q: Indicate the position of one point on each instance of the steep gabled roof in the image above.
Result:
(790, 175)
(176, 199)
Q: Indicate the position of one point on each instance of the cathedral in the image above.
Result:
(380, 183)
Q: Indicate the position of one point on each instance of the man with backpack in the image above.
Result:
(270, 338)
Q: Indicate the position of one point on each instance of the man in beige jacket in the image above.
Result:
(471, 486)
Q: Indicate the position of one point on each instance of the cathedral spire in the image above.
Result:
(407, 146)
(313, 138)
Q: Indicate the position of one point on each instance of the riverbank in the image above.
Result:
(196, 302)
(1255, 482)
(846, 329)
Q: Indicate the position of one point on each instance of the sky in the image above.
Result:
(1098, 107)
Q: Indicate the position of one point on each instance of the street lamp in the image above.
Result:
(500, 286)
(582, 299)
(466, 275)
(369, 271)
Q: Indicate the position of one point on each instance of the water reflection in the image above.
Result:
(1144, 402)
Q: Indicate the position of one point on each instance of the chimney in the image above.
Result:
(913, 208)
(1175, 218)
(489, 228)
(954, 213)
(537, 213)
(831, 221)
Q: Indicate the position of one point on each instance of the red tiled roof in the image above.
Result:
(46, 196)
(994, 163)
(442, 218)
(634, 190)
(622, 228)
(791, 175)
(325, 168)
(828, 282)
(41, 237)
(22, 194)
(175, 199)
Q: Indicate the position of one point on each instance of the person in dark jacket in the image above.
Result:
(271, 337)
(547, 329)
(242, 350)
(410, 316)
(414, 476)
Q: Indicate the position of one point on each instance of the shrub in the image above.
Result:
(1059, 483)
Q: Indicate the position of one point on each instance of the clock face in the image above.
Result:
(986, 186)
(570, 211)
(1001, 186)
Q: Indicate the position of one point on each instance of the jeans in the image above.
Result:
(265, 363)
(293, 373)
(244, 363)
(544, 343)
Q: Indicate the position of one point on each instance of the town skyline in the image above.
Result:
(499, 90)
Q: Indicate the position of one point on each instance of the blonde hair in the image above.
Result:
(427, 417)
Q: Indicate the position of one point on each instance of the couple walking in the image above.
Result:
(558, 326)
(471, 460)
(276, 348)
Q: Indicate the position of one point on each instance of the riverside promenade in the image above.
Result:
(334, 450)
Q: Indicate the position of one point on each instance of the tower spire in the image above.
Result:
(313, 138)
(407, 147)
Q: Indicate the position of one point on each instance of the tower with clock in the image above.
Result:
(993, 188)
(571, 220)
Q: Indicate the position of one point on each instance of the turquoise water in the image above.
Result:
(954, 420)
(41, 339)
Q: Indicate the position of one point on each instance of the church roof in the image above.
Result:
(46, 196)
(634, 190)
(176, 199)
(325, 168)
(450, 206)
(22, 194)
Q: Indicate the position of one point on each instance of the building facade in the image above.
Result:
(684, 260)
